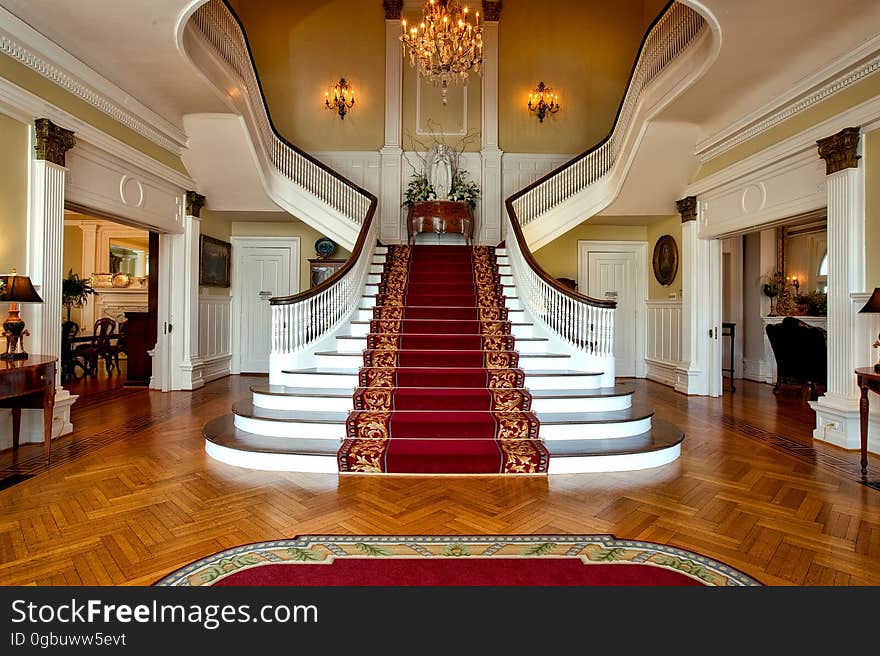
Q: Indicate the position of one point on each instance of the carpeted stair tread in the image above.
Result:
(662, 435)
(222, 432)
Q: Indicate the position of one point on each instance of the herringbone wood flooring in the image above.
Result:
(132, 496)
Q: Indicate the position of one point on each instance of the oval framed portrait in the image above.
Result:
(665, 260)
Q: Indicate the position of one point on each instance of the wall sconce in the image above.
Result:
(543, 101)
(340, 98)
(796, 283)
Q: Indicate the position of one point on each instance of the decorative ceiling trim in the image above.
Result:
(21, 42)
(26, 106)
(838, 76)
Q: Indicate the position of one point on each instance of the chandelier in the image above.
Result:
(445, 46)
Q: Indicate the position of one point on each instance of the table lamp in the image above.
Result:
(15, 289)
(873, 307)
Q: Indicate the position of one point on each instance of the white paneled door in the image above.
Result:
(614, 275)
(263, 269)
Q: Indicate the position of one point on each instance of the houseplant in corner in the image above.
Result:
(75, 292)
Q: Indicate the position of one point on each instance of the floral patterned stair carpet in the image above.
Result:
(440, 390)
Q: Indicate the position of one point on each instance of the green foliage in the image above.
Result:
(463, 191)
(299, 553)
(606, 555)
(75, 291)
(816, 303)
(540, 549)
(418, 190)
(371, 550)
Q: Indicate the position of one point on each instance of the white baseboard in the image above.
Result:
(216, 367)
(661, 372)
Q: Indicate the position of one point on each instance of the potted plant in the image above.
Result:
(771, 289)
(75, 291)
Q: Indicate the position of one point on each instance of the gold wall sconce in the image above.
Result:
(543, 101)
(340, 98)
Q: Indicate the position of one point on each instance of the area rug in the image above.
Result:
(440, 390)
(457, 560)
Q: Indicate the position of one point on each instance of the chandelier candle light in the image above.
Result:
(445, 46)
(543, 101)
(340, 98)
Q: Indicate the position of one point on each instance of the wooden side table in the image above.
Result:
(29, 384)
(869, 380)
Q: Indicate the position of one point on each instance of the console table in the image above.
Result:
(869, 381)
(440, 216)
(29, 384)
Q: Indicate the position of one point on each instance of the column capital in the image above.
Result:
(52, 142)
(687, 208)
(393, 9)
(840, 151)
(492, 10)
(194, 204)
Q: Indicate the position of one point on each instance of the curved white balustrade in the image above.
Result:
(565, 188)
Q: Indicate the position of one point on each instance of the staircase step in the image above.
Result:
(519, 330)
(303, 424)
(602, 399)
(659, 446)
(527, 361)
(540, 379)
(324, 378)
(357, 343)
(228, 444)
(606, 425)
(280, 397)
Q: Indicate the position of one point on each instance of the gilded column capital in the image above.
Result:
(393, 9)
(492, 10)
(687, 208)
(840, 151)
(52, 142)
(194, 204)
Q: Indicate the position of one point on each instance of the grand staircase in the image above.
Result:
(407, 360)
(441, 372)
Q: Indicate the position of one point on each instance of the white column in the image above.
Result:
(700, 307)
(837, 412)
(188, 365)
(392, 152)
(492, 203)
(45, 262)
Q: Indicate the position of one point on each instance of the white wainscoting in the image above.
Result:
(519, 170)
(364, 168)
(663, 352)
(215, 343)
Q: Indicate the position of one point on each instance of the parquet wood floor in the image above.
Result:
(132, 496)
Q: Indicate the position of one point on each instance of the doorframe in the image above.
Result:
(640, 249)
(294, 274)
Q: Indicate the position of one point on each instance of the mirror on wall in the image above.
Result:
(130, 257)
(806, 257)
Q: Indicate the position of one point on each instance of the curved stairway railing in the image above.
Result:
(584, 324)
(672, 32)
(300, 320)
(345, 202)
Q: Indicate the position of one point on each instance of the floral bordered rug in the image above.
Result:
(440, 560)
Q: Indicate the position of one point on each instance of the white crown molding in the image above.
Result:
(27, 46)
(26, 106)
(841, 74)
(866, 115)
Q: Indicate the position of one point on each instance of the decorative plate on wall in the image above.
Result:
(325, 247)
(665, 260)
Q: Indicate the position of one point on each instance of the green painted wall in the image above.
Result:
(14, 164)
(559, 257)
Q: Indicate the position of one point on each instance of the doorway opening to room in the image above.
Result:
(774, 296)
(110, 294)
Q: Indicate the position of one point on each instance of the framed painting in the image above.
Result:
(215, 262)
(665, 260)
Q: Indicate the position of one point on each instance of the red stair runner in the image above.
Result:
(440, 391)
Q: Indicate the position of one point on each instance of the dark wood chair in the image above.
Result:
(119, 348)
(105, 331)
(72, 354)
(801, 355)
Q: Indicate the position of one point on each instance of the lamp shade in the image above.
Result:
(17, 289)
(873, 304)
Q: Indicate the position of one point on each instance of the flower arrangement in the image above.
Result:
(419, 189)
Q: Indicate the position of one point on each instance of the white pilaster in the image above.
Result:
(392, 152)
(492, 201)
(89, 255)
(188, 366)
(837, 412)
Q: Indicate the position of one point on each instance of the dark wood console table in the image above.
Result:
(869, 380)
(29, 384)
(440, 216)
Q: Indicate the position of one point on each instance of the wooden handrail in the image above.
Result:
(371, 211)
(511, 211)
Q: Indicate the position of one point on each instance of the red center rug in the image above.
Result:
(440, 391)
(457, 560)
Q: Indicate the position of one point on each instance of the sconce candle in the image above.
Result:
(340, 98)
(543, 101)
